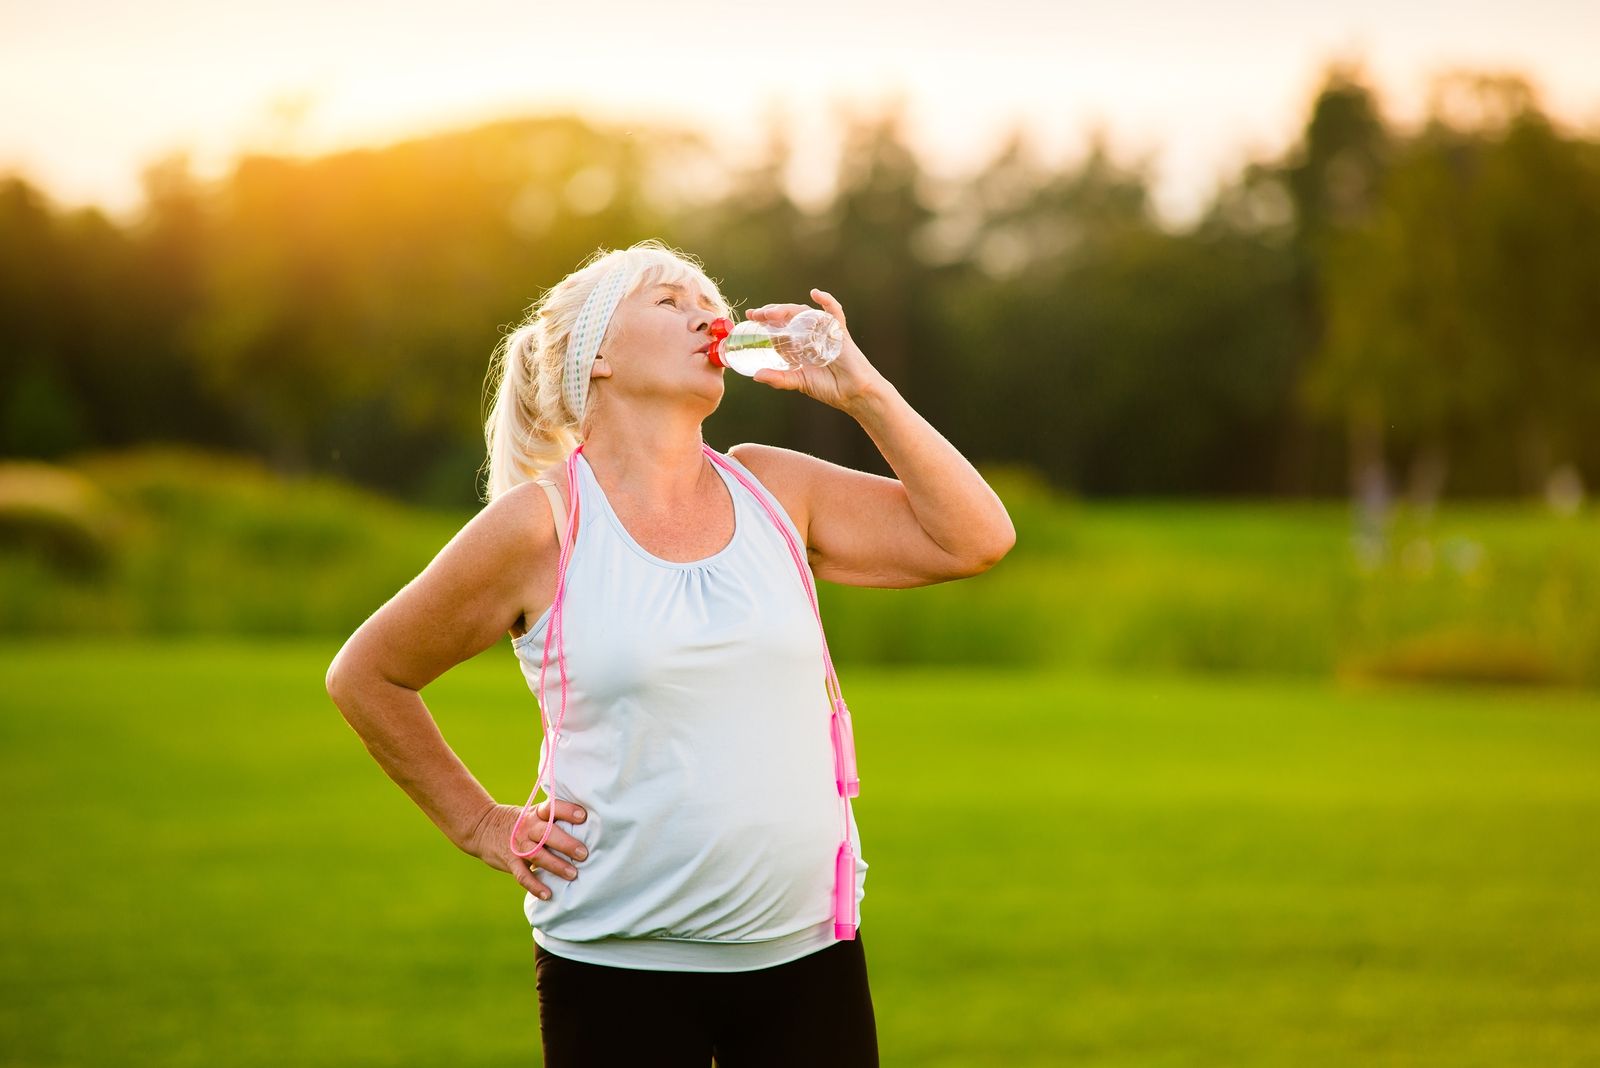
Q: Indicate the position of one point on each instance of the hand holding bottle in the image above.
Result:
(840, 382)
(808, 337)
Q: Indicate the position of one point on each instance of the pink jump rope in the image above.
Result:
(845, 921)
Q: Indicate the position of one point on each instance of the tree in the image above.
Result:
(1459, 310)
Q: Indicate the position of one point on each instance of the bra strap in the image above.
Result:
(558, 510)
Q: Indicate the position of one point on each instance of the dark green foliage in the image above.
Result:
(1376, 297)
(59, 519)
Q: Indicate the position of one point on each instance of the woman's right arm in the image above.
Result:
(460, 605)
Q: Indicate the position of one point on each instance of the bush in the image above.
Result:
(204, 543)
(1458, 655)
(57, 517)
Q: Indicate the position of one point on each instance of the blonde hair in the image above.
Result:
(529, 426)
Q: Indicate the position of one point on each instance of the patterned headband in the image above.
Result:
(586, 335)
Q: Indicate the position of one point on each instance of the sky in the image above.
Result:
(92, 92)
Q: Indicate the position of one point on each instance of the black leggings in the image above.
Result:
(810, 1011)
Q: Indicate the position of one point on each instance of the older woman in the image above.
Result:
(694, 759)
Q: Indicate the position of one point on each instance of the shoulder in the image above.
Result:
(786, 474)
(556, 473)
(467, 596)
(778, 469)
(515, 522)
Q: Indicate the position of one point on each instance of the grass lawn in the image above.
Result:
(205, 867)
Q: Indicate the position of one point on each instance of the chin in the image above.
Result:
(712, 391)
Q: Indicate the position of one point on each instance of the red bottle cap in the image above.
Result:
(720, 328)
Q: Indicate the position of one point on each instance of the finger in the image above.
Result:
(559, 854)
(781, 313)
(560, 842)
(526, 880)
(777, 379)
(546, 857)
(522, 869)
(526, 844)
(570, 811)
(829, 305)
(557, 842)
(554, 863)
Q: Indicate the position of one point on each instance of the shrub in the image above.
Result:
(1459, 655)
(56, 516)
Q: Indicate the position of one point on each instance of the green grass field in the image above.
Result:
(205, 867)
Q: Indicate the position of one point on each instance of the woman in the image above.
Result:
(695, 787)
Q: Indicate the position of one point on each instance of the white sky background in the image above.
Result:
(90, 92)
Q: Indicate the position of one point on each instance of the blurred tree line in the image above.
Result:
(1418, 310)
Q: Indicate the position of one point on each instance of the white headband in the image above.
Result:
(586, 335)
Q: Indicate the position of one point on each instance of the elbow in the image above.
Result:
(977, 565)
(334, 684)
(344, 690)
(347, 672)
(337, 683)
(1007, 540)
(990, 560)
(1003, 543)
(331, 679)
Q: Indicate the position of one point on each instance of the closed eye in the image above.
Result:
(667, 300)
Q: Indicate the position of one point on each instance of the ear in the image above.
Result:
(600, 369)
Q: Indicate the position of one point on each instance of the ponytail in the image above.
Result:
(521, 438)
(529, 426)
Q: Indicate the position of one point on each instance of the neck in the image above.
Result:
(655, 459)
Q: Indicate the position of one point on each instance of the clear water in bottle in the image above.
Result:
(811, 337)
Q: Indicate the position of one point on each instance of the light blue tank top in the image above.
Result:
(697, 739)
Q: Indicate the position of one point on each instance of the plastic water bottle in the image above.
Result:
(811, 337)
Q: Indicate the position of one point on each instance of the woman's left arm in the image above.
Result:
(952, 503)
(939, 521)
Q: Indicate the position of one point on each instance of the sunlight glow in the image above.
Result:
(94, 91)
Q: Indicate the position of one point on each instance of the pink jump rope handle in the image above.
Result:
(844, 892)
(844, 751)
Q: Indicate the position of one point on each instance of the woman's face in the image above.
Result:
(656, 343)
